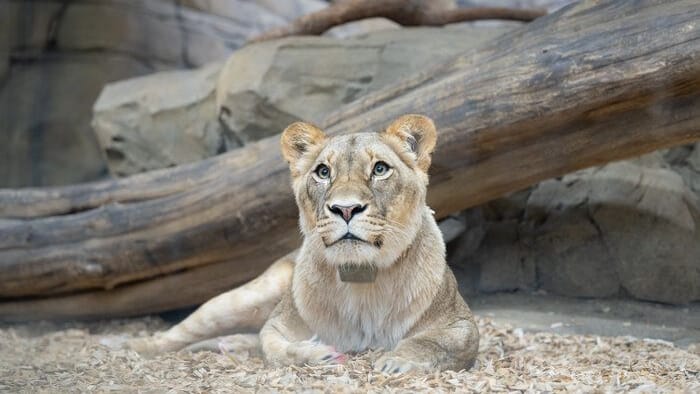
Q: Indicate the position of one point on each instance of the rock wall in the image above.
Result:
(624, 229)
(178, 117)
(55, 57)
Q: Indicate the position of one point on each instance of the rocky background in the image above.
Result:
(56, 56)
(168, 83)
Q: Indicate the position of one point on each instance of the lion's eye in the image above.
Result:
(380, 169)
(323, 171)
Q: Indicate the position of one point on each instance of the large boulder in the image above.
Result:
(649, 225)
(160, 120)
(626, 228)
(265, 87)
(259, 90)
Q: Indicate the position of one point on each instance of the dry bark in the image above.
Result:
(595, 82)
(403, 12)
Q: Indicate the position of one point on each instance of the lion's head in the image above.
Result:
(361, 196)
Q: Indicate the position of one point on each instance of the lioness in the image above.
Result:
(371, 272)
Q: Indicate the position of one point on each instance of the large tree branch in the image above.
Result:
(403, 12)
(595, 82)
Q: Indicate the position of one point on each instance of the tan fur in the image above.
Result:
(243, 309)
(412, 309)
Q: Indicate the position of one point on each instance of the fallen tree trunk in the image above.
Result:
(595, 82)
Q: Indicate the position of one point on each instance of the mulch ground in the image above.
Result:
(45, 357)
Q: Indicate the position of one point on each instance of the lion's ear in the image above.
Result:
(419, 134)
(298, 138)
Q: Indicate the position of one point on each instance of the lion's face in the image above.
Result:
(361, 197)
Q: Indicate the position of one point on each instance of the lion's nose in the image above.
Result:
(347, 211)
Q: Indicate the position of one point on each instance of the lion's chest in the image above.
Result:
(355, 317)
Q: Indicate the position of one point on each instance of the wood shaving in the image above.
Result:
(69, 358)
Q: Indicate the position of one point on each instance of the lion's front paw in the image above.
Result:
(314, 353)
(152, 345)
(390, 363)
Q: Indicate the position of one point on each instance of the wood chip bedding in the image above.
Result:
(46, 357)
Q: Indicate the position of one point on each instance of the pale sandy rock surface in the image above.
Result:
(157, 121)
(149, 122)
(68, 358)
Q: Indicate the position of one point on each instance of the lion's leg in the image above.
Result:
(287, 340)
(233, 344)
(451, 342)
(242, 309)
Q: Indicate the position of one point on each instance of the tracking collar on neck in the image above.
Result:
(357, 273)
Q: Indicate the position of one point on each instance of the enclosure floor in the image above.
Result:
(44, 357)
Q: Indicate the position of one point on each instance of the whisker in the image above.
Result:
(393, 231)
